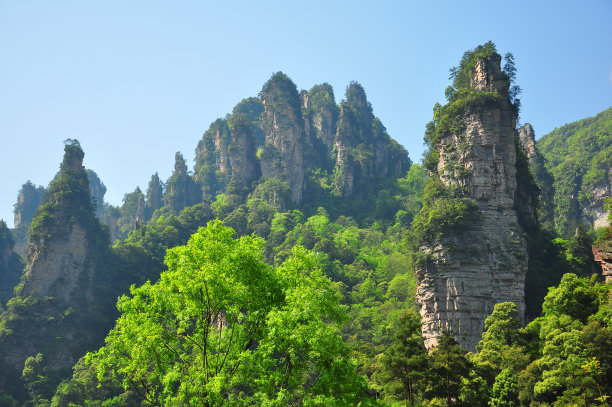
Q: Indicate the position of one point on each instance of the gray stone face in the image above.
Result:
(61, 269)
(283, 156)
(475, 269)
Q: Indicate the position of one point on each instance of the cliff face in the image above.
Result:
(301, 131)
(28, 201)
(10, 264)
(543, 177)
(181, 189)
(471, 270)
(283, 125)
(59, 310)
(242, 153)
(364, 149)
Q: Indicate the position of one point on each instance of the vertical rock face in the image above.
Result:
(10, 264)
(29, 198)
(60, 261)
(181, 189)
(471, 270)
(283, 125)
(154, 199)
(527, 139)
(227, 151)
(59, 309)
(320, 122)
(543, 177)
(364, 149)
(243, 162)
(97, 190)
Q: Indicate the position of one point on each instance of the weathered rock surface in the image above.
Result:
(472, 270)
(543, 177)
(363, 148)
(10, 264)
(154, 198)
(283, 125)
(59, 309)
(181, 190)
(603, 256)
(28, 200)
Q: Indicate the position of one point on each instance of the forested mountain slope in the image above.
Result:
(282, 269)
(579, 155)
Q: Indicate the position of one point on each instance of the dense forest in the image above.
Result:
(307, 260)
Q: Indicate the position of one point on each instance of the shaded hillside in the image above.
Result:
(579, 156)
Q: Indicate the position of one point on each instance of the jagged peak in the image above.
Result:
(280, 88)
(480, 69)
(73, 156)
(180, 166)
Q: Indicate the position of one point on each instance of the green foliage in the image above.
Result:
(404, 362)
(446, 209)
(448, 365)
(579, 156)
(222, 327)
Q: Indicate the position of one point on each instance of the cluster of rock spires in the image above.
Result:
(280, 135)
(301, 130)
(472, 270)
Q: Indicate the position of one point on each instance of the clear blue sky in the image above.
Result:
(136, 81)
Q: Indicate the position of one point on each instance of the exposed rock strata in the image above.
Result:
(59, 309)
(603, 255)
(472, 270)
(283, 125)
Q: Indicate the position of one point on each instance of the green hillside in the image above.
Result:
(579, 156)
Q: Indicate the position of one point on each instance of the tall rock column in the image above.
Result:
(61, 309)
(283, 124)
(471, 268)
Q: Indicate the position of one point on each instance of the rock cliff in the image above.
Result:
(59, 309)
(543, 177)
(181, 190)
(468, 270)
(10, 264)
(28, 200)
(154, 198)
(282, 122)
(363, 148)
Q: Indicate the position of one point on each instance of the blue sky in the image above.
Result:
(136, 81)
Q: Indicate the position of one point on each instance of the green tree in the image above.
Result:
(406, 358)
(448, 365)
(222, 327)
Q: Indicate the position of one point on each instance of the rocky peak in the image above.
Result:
(322, 114)
(181, 189)
(282, 122)
(242, 152)
(63, 234)
(97, 190)
(488, 76)
(155, 193)
(527, 139)
(28, 200)
(470, 269)
(10, 264)
(363, 147)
